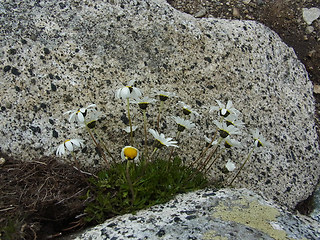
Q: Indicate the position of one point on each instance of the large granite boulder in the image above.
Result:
(57, 56)
(206, 214)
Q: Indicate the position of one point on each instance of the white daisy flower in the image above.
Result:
(78, 115)
(128, 92)
(129, 153)
(225, 110)
(230, 166)
(70, 145)
(183, 124)
(162, 139)
(259, 140)
(143, 102)
(225, 130)
(187, 109)
(127, 129)
(163, 96)
(229, 142)
(232, 119)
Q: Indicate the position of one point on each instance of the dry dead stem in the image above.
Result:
(40, 197)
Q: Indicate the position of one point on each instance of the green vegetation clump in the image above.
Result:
(127, 187)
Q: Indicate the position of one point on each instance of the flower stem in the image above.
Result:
(98, 147)
(104, 146)
(214, 160)
(178, 135)
(206, 162)
(145, 135)
(75, 160)
(158, 121)
(204, 151)
(154, 151)
(248, 157)
(130, 123)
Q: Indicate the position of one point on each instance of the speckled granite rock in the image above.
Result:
(56, 56)
(206, 214)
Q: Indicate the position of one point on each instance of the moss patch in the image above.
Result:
(252, 214)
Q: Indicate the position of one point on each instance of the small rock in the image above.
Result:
(246, 1)
(249, 17)
(309, 29)
(235, 12)
(260, 2)
(201, 13)
(316, 89)
(311, 14)
(2, 161)
(311, 53)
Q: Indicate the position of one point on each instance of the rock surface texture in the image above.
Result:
(57, 56)
(206, 214)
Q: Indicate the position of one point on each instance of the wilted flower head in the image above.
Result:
(225, 130)
(128, 91)
(183, 124)
(80, 114)
(163, 96)
(225, 110)
(144, 102)
(162, 139)
(259, 140)
(187, 109)
(230, 166)
(129, 153)
(70, 145)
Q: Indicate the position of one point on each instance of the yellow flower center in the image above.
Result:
(130, 153)
(67, 140)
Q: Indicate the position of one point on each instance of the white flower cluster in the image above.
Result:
(229, 125)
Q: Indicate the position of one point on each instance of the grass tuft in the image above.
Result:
(153, 183)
